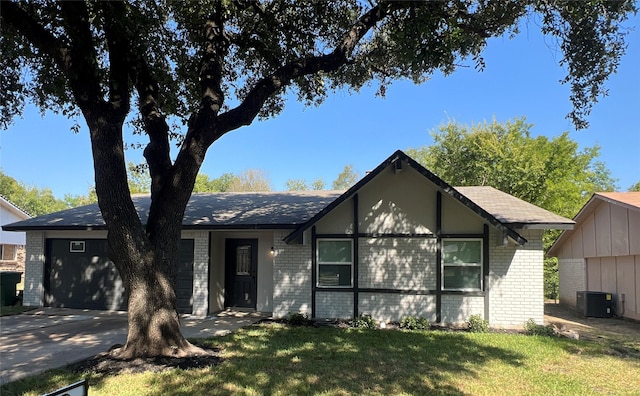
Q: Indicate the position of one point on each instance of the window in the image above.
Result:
(243, 260)
(462, 264)
(335, 262)
(8, 253)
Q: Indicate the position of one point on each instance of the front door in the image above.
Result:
(241, 270)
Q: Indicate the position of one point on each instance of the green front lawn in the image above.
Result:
(281, 360)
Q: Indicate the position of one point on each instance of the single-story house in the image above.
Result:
(12, 244)
(602, 252)
(399, 242)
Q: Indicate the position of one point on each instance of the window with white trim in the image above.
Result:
(8, 252)
(335, 262)
(462, 264)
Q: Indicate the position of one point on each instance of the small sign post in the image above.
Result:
(80, 388)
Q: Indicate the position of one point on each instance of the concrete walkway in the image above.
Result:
(47, 338)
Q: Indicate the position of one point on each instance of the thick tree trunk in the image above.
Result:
(154, 323)
(146, 255)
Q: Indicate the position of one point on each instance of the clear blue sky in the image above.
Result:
(521, 79)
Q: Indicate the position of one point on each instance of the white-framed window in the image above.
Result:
(335, 262)
(462, 264)
(8, 253)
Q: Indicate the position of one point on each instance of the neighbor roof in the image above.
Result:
(256, 210)
(629, 200)
(13, 208)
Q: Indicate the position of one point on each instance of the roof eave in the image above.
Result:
(541, 226)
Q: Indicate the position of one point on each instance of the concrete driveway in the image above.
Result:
(53, 337)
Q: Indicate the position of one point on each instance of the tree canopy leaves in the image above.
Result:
(551, 173)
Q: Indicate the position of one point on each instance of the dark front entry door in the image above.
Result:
(241, 270)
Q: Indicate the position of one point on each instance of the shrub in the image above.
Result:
(298, 319)
(414, 323)
(363, 321)
(477, 325)
(532, 328)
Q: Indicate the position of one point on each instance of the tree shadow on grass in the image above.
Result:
(273, 359)
(276, 359)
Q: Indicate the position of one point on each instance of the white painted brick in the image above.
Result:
(571, 273)
(334, 305)
(34, 270)
(392, 307)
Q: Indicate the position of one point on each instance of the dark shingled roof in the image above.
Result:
(266, 210)
(513, 211)
(298, 210)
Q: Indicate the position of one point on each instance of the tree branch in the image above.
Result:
(245, 113)
(216, 47)
(127, 61)
(83, 78)
(63, 55)
(119, 55)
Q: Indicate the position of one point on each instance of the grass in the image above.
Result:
(276, 359)
(13, 309)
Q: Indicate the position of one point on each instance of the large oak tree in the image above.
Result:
(218, 65)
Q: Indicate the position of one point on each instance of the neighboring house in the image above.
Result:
(12, 244)
(400, 242)
(602, 253)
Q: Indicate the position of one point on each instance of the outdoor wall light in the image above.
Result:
(273, 251)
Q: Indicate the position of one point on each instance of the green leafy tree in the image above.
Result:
(255, 180)
(635, 187)
(551, 173)
(215, 66)
(33, 200)
(347, 178)
(302, 185)
(296, 185)
(220, 184)
(138, 178)
(318, 184)
(73, 201)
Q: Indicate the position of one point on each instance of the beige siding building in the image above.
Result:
(602, 253)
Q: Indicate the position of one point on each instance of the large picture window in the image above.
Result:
(462, 264)
(335, 262)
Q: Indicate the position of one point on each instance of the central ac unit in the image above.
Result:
(594, 304)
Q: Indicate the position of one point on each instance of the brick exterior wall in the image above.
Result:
(291, 277)
(18, 263)
(516, 281)
(397, 263)
(458, 309)
(571, 274)
(33, 270)
(335, 305)
(200, 297)
(391, 307)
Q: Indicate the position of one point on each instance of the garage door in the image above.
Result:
(78, 274)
